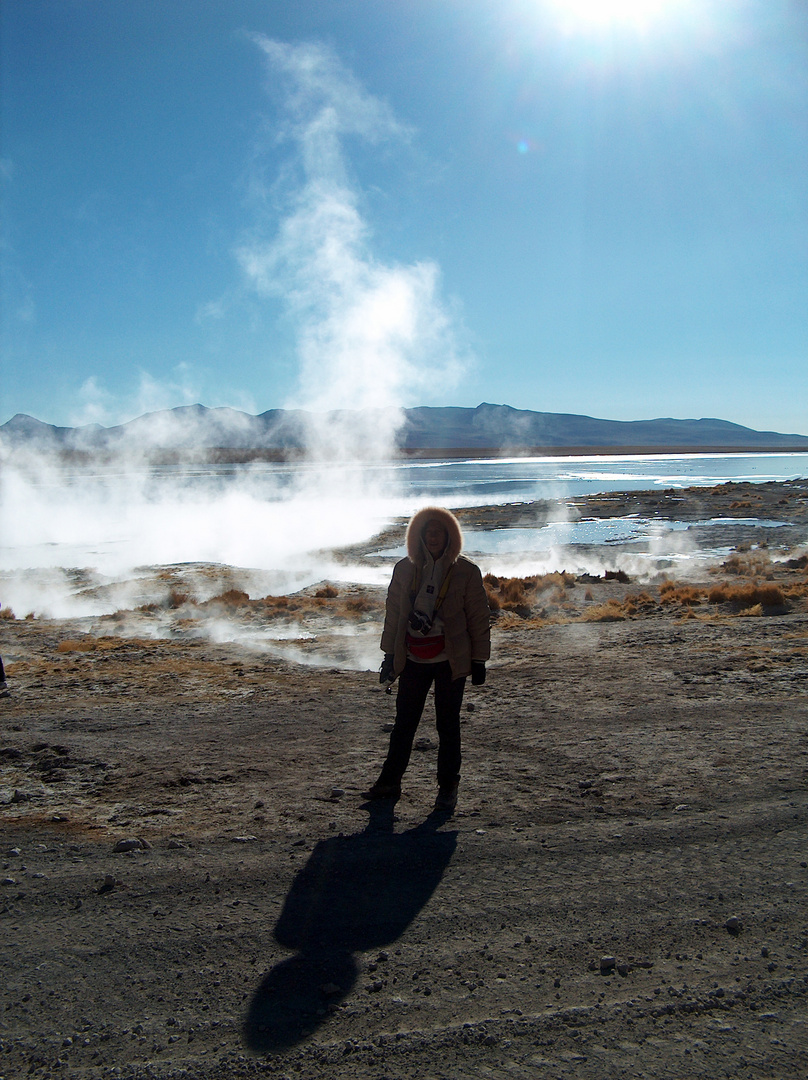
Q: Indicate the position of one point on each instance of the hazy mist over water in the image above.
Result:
(87, 543)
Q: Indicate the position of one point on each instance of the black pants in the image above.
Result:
(413, 687)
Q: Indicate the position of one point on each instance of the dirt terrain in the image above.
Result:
(192, 885)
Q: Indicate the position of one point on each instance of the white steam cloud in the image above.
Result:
(369, 335)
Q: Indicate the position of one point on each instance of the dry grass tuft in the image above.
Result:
(232, 598)
(671, 593)
(7, 613)
(747, 565)
(327, 592)
(748, 595)
(76, 645)
(611, 611)
(519, 595)
(756, 609)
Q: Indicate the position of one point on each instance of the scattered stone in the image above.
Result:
(733, 925)
(244, 839)
(682, 806)
(12, 853)
(8, 881)
(607, 964)
(176, 845)
(329, 989)
(107, 885)
(20, 796)
(337, 792)
(132, 843)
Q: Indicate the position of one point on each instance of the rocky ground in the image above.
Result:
(192, 885)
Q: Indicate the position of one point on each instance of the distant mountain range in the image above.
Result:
(233, 435)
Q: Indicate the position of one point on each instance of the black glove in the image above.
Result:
(477, 672)
(386, 671)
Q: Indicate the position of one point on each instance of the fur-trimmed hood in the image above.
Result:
(416, 527)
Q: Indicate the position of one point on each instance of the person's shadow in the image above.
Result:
(355, 893)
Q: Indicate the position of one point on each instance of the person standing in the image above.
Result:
(436, 631)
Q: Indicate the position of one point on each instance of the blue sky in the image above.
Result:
(259, 204)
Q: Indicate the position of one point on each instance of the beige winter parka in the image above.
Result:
(464, 609)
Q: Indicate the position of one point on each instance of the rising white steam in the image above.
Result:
(369, 335)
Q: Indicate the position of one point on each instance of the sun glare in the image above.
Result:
(605, 12)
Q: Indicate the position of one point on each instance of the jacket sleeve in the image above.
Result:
(396, 596)
(478, 616)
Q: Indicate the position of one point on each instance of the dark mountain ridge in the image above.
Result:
(491, 428)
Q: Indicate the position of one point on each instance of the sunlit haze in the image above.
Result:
(579, 207)
(604, 12)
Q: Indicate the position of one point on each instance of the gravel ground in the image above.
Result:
(192, 885)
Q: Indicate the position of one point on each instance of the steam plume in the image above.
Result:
(369, 335)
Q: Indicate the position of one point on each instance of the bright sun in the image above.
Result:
(612, 11)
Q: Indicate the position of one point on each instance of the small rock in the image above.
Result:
(733, 925)
(682, 806)
(607, 964)
(132, 843)
(20, 796)
(337, 792)
(12, 853)
(8, 881)
(175, 845)
(244, 839)
(329, 989)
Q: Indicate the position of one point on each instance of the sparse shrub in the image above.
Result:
(327, 592)
(358, 604)
(177, 599)
(611, 611)
(800, 563)
(747, 596)
(756, 609)
(671, 593)
(616, 575)
(7, 613)
(231, 598)
(748, 565)
(75, 645)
